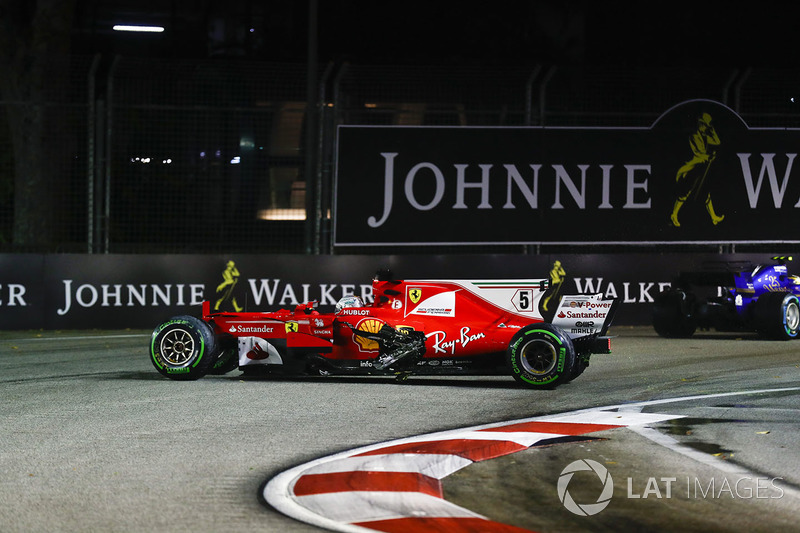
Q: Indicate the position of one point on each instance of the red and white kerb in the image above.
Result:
(397, 486)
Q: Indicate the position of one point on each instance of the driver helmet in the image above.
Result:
(349, 301)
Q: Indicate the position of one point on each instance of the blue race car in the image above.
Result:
(731, 296)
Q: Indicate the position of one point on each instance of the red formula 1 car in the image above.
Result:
(435, 327)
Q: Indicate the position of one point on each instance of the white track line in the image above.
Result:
(81, 338)
(399, 482)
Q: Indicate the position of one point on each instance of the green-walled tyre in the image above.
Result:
(183, 348)
(541, 356)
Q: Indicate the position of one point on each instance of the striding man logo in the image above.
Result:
(230, 277)
(693, 180)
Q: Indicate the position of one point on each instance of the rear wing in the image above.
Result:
(583, 315)
(707, 279)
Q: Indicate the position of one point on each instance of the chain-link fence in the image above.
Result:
(126, 155)
(205, 156)
(43, 168)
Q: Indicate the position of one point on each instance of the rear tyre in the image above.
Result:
(541, 356)
(777, 315)
(674, 314)
(183, 348)
(580, 365)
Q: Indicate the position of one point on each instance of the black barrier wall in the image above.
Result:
(699, 175)
(139, 291)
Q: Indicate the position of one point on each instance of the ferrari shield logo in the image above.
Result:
(414, 295)
(291, 327)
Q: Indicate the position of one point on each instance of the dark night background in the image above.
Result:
(447, 32)
(633, 39)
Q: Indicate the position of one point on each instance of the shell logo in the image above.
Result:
(373, 325)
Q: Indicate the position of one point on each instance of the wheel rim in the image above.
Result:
(177, 347)
(792, 317)
(539, 357)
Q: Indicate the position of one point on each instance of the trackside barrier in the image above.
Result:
(78, 291)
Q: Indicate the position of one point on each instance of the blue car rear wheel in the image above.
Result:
(777, 315)
(674, 314)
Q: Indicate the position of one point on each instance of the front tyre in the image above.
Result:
(541, 356)
(183, 348)
(777, 315)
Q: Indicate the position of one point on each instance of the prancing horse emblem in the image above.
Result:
(414, 295)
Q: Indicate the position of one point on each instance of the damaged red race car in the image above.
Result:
(412, 327)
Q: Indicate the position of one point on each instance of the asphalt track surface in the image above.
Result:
(93, 439)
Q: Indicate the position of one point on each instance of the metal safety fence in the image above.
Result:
(131, 155)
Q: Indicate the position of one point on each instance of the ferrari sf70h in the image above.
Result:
(412, 327)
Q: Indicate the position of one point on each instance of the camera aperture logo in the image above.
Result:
(585, 509)
(744, 487)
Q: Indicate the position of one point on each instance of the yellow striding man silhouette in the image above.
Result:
(701, 143)
(230, 277)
